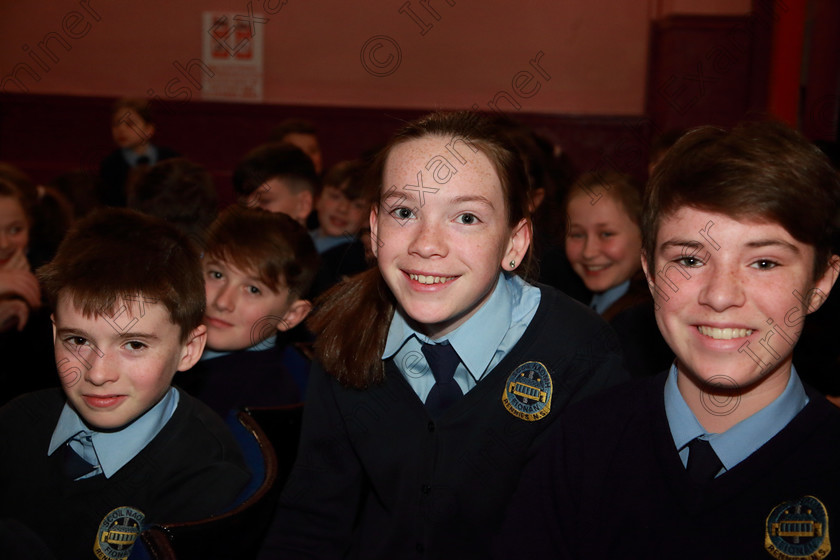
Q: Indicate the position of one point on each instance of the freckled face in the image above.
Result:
(603, 244)
(724, 292)
(441, 252)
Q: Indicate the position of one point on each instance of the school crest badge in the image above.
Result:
(798, 529)
(117, 533)
(527, 392)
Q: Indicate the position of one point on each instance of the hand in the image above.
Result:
(17, 262)
(13, 313)
(20, 283)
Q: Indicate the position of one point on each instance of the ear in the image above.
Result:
(294, 315)
(304, 206)
(819, 293)
(520, 240)
(648, 275)
(52, 321)
(374, 232)
(192, 349)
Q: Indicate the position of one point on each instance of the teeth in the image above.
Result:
(430, 279)
(724, 334)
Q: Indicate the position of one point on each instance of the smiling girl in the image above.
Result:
(604, 241)
(439, 371)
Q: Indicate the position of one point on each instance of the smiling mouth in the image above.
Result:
(599, 268)
(104, 401)
(212, 321)
(423, 279)
(724, 334)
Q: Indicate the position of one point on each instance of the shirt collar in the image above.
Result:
(266, 344)
(115, 449)
(131, 156)
(744, 438)
(476, 340)
(601, 302)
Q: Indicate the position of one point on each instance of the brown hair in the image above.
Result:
(141, 107)
(117, 254)
(275, 161)
(348, 177)
(618, 186)
(758, 170)
(365, 300)
(274, 245)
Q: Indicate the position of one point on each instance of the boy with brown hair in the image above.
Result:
(120, 448)
(258, 269)
(728, 454)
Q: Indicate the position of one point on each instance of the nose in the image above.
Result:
(591, 247)
(722, 288)
(429, 238)
(224, 299)
(98, 369)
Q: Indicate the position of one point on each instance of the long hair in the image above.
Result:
(351, 320)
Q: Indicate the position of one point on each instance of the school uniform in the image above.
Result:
(116, 167)
(191, 468)
(378, 476)
(613, 483)
(255, 376)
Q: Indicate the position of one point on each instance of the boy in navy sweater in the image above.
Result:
(727, 454)
(87, 469)
(258, 269)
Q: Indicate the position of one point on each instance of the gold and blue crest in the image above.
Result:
(798, 529)
(117, 533)
(527, 392)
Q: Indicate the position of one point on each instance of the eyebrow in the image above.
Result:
(64, 331)
(680, 244)
(760, 243)
(474, 198)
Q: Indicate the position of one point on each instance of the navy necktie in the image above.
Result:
(74, 465)
(443, 360)
(703, 463)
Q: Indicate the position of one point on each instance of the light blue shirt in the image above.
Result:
(601, 302)
(481, 342)
(131, 156)
(744, 438)
(115, 449)
(266, 344)
(324, 243)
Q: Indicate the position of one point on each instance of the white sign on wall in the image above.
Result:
(232, 46)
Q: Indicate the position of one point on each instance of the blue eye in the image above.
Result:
(468, 219)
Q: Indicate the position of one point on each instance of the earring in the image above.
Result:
(512, 264)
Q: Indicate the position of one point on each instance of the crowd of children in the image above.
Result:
(463, 351)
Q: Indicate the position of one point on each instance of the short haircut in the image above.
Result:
(142, 107)
(618, 186)
(273, 245)
(348, 177)
(275, 161)
(291, 126)
(761, 171)
(118, 254)
(178, 191)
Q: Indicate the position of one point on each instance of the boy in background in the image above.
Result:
(728, 454)
(277, 178)
(258, 269)
(119, 448)
(132, 127)
(302, 134)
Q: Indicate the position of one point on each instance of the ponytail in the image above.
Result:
(351, 324)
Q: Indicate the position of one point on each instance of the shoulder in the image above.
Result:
(195, 426)
(570, 321)
(39, 407)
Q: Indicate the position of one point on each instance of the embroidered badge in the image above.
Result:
(798, 529)
(117, 533)
(527, 393)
